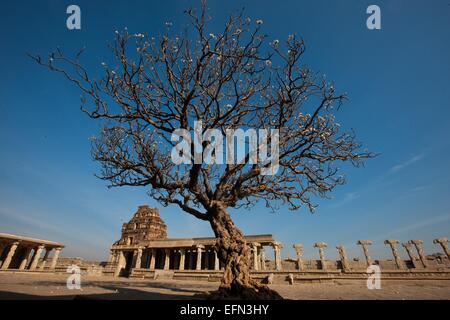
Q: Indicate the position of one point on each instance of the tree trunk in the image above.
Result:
(234, 253)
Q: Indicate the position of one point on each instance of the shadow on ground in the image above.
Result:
(119, 291)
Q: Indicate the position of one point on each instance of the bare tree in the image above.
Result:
(235, 78)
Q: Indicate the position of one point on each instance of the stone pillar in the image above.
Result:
(55, 258)
(199, 257)
(277, 253)
(25, 258)
(166, 259)
(10, 255)
(263, 258)
(298, 250)
(152, 259)
(344, 259)
(44, 260)
(321, 246)
(255, 246)
(398, 260)
(120, 264)
(182, 259)
(138, 259)
(216, 261)
(443, 242)
(418, 244)
(412, 257)
(111, 257)
(37, 255)
(365, 245)
(2, 247)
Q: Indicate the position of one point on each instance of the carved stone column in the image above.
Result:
(321, 246)
(365, 245)
(55, 258)
(152, 259)
(166, 259)
(412, 256)
(25, 258)
(298, 250)
(216, 261)
(111, 257)
(277, 253)
(182, 259)
(2, 247)
(36, 258)
(255, 246)
(344, 259)
(398, 260)
(44, 260)
(200, 248)
(10, 255)
(443, 242)
(263, 258)
(419, 247)
(138, 259)
(120, 263)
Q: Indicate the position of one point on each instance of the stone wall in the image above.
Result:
(86, 267)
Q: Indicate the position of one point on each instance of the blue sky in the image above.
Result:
(397, 79)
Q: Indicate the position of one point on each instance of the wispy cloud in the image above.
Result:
(406, 163)
(419, 188)
(348, 197)
(416, 226)
(30, 221)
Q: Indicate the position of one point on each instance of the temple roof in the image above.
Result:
(29, 240)
(146, 224)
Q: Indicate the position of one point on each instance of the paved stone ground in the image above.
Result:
(48, 286)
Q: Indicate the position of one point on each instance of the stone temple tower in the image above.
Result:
(146, 224)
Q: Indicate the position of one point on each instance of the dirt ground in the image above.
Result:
(48, 286)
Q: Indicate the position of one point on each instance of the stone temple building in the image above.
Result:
(144, 248)
(24, 253)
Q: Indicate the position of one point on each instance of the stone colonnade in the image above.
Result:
(418, 261)
(22, 253)
(198, 257)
